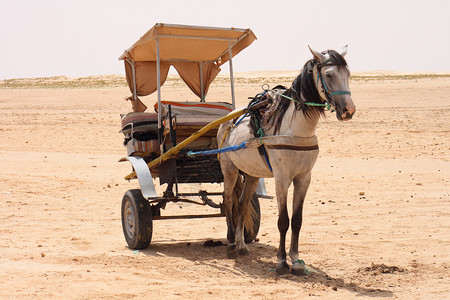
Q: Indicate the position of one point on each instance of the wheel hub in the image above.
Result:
(130, 219)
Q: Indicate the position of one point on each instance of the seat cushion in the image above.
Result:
(139, 122)
(195, 108)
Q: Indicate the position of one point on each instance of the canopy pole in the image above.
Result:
(133, 71)
(200, 65)
(158, 86)
(230, 62)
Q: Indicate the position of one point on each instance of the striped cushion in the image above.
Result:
(139, 122)
(196, 108)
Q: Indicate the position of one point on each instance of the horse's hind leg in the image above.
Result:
(301, 184)
(250, 185)
(230, 176)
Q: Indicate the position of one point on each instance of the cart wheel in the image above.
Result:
(256, 221)
(137, 223)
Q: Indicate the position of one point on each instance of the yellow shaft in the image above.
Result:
(174, 150)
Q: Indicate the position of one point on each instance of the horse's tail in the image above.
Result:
(251, 214)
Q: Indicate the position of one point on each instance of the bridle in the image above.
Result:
(328, 93)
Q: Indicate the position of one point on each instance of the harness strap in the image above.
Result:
(262, 151)
(328, 92)
(291, 147)
(271, 142)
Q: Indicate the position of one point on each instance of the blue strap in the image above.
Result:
(240, 120)
(217, 151)
(341, 93)
(266, 157)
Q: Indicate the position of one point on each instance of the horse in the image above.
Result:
(290, 121)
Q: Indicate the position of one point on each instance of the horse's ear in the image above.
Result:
(317, 55)
(344, 50)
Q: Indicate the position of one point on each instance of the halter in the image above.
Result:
(328, 92)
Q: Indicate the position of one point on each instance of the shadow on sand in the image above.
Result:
(259, 264)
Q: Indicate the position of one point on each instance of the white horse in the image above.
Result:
(290, 148)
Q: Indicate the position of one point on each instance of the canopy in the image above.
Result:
(195, 52)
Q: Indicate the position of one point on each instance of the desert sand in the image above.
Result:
(376, 218)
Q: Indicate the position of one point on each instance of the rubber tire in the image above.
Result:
(256, 220)
(137, 221)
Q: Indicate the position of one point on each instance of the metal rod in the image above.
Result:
(230, 62)
(133, 72)
(193, 37)
(200, 64)
(201, 193)
(188, 217)
(158, 85)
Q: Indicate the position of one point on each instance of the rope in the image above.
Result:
(326, 104)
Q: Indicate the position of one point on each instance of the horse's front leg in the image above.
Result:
(250, 185)
(301, 184)
(282, 186)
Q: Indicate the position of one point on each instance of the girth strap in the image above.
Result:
(262, 151)
(291, 147)
(285, 142)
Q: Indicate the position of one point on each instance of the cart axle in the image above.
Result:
(188, 217)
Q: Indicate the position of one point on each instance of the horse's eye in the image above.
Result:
(328, 75)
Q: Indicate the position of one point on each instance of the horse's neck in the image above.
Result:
(295, 123)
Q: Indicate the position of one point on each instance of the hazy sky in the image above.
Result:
(42, 38)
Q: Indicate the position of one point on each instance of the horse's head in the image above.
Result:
(332, 76)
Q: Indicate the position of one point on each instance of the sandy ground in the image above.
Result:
(377, 218)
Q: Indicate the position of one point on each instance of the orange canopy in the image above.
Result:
(195, 52)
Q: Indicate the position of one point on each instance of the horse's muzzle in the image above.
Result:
(349, 110)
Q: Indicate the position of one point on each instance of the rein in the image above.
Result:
(326, 104)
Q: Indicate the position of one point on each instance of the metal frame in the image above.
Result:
(230, 64)
(200, 65)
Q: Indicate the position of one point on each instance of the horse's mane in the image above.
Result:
(303, 89)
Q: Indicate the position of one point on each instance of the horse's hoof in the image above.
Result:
(232, 254)
(231, 251)
(243, 251)
(298, 268)
(283, 268)
(299, 272)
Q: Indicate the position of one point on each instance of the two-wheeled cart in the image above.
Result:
(157, 143)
